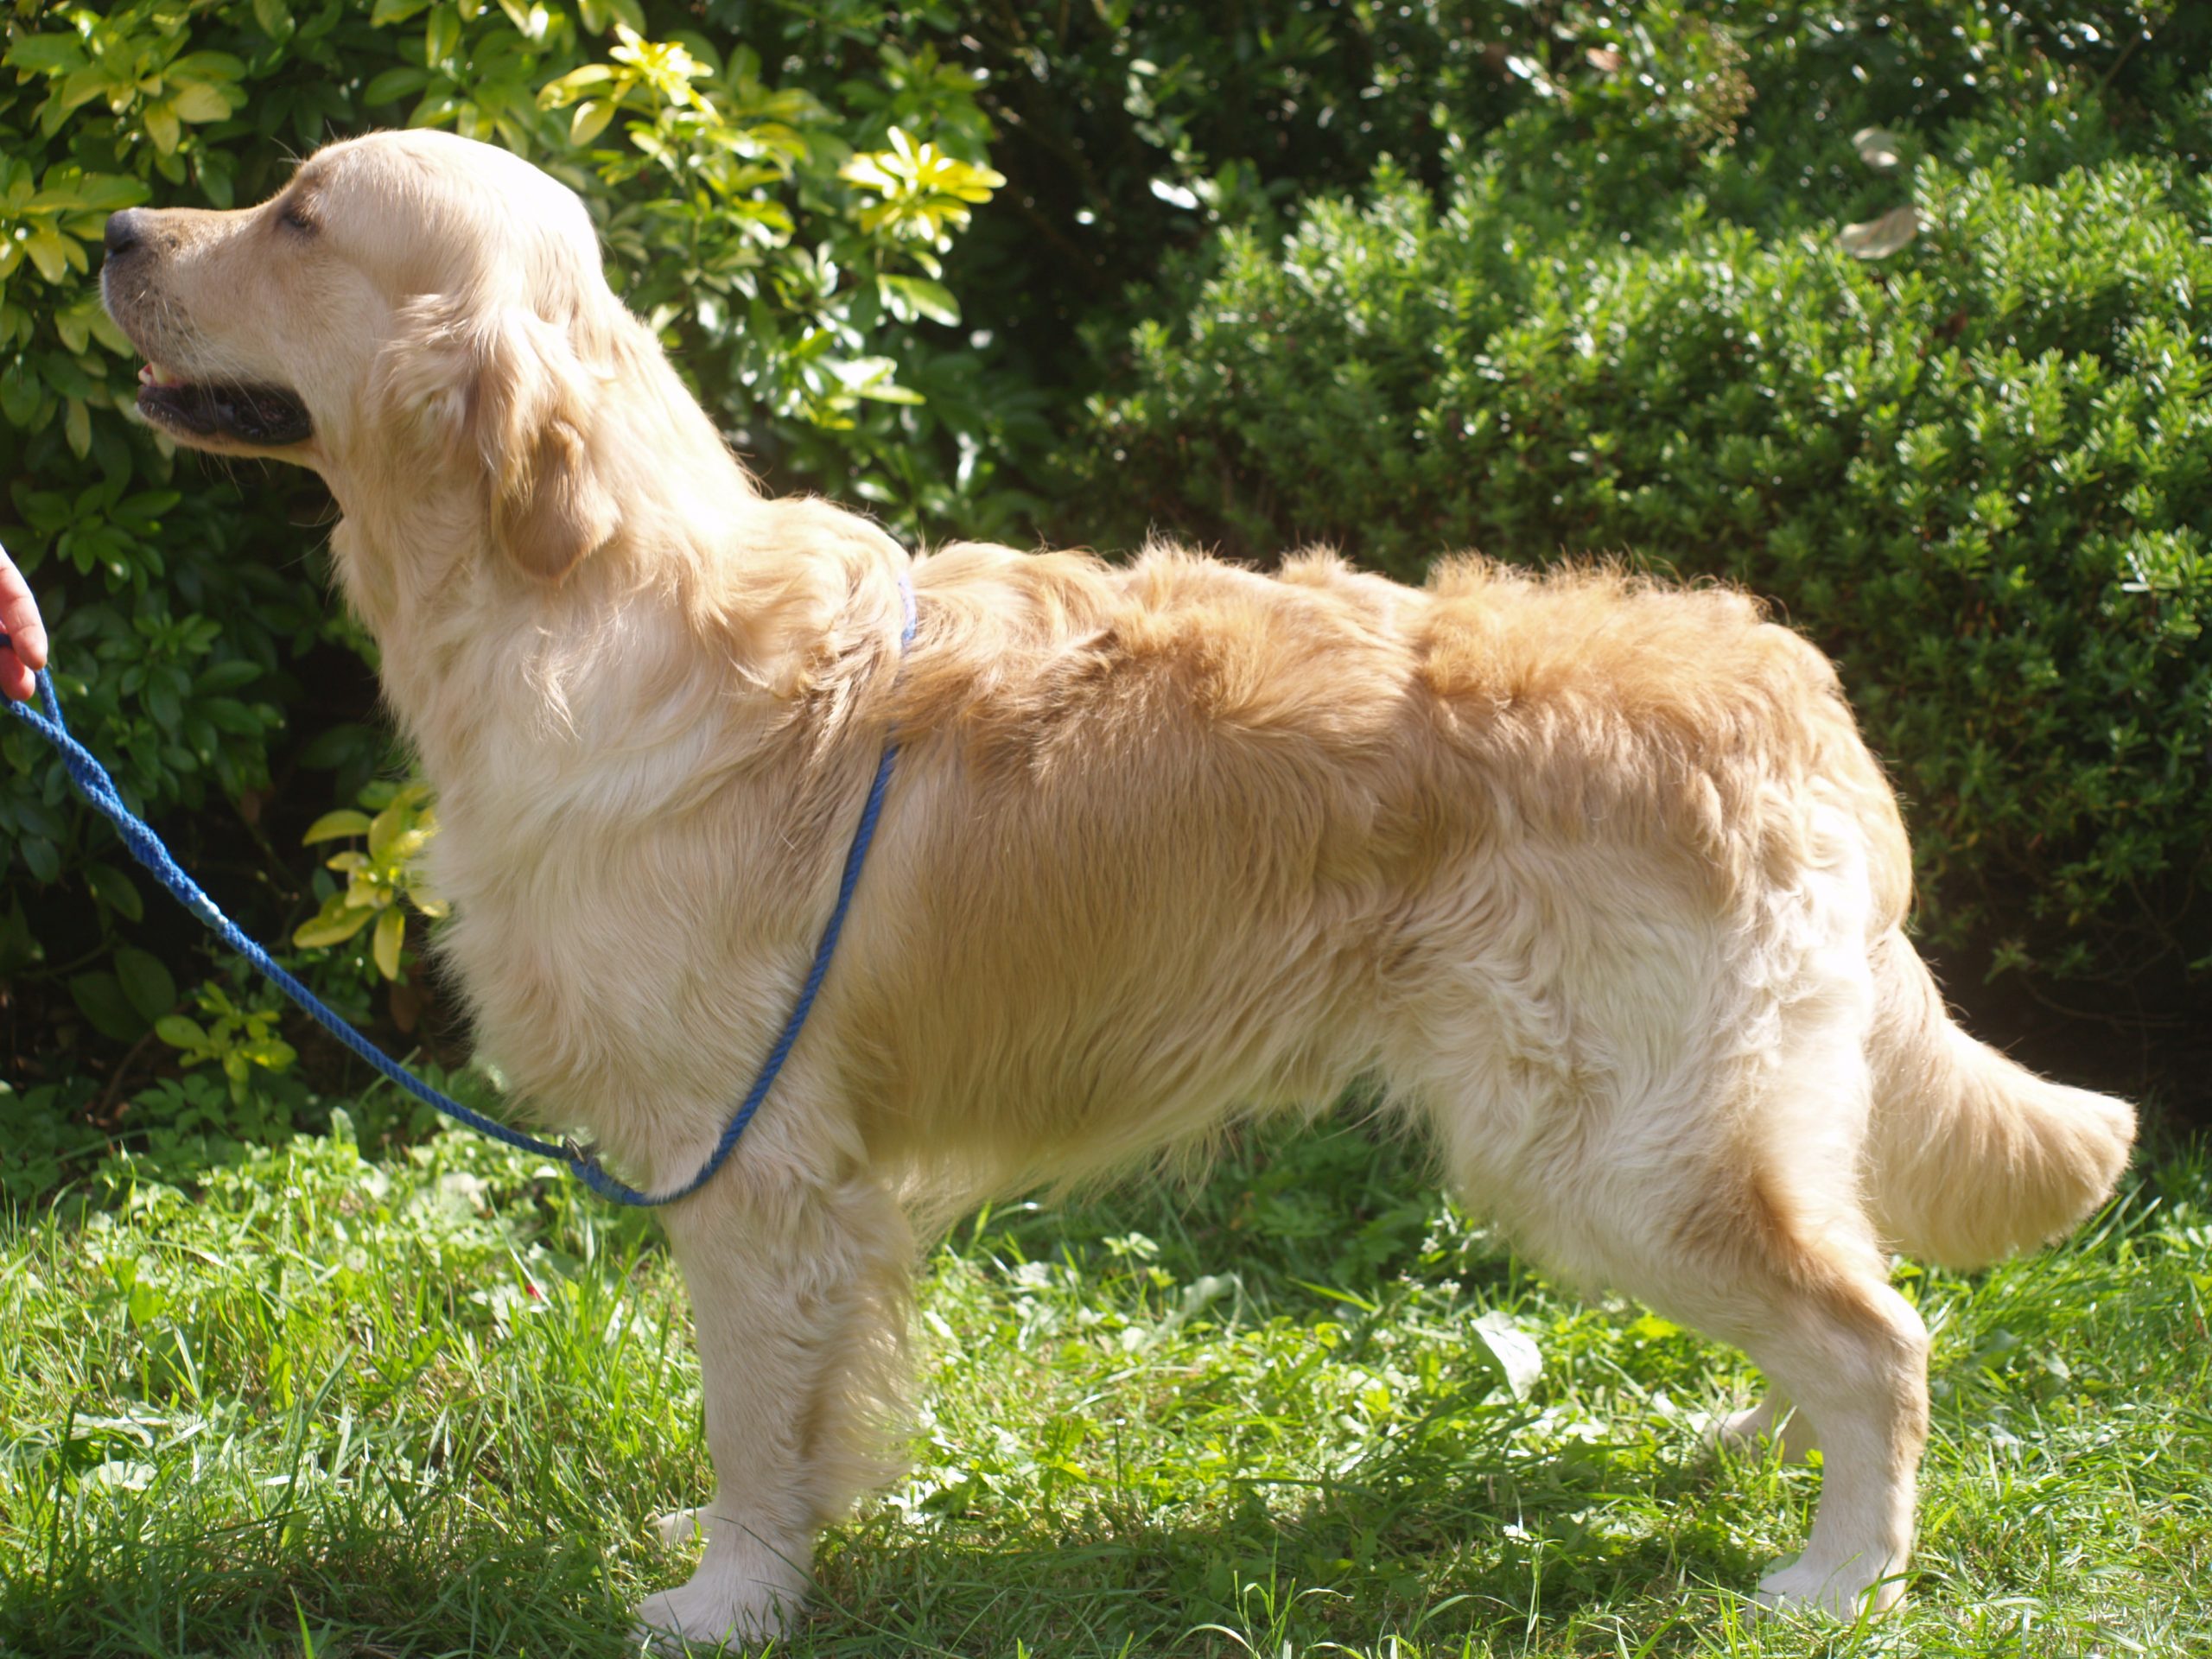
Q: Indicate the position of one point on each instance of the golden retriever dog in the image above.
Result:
(1595, 875)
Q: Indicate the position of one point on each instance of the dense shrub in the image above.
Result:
(786, 235)
(1408, 371)
(1979, 469)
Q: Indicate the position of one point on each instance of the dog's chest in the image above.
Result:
(606, 954)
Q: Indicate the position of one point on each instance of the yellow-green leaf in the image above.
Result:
(333, 825)
(162, 127)
(530, 21)
(589, 120)
(50, 252)
(568, 88)
(442, 34)
(106, 332)
(335, 925)
(386, 829)
(920, 296)
(45, 54)
(199, 102)
(365, 891)
(391, 927)
(83, 86)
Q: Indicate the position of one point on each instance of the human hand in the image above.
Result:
(25, 652)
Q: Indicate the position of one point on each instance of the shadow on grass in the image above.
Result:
(1497, 1543)
(1496, 1553)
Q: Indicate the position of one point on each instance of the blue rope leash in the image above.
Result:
(92, 780)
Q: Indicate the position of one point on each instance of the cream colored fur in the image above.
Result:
(1595, 875)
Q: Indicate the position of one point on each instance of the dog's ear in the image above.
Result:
(498, 379)
(532, 410)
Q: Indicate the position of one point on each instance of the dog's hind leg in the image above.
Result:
(799, 1292)
(1721, 1185)
(1817, 1315)
(1727, 1251)
(1763, 1240)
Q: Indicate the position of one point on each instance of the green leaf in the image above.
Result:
(199, 102)
(162, 702)
(145, 981)
(590, 120)
(599, 15)
(577, 83)
(45, 54)
(886, 391)
(162, 127)
(442, 34)
(40, 857)
(336, 925)
(391, 927)
(206, 65)
(225, 676)
(19, 394)
(99, 998)
(920, 297)
(333, 826)
(104, 193)
(346, 744)
(114, 889)
(394, 84)
(179, 1032)
(49, 250)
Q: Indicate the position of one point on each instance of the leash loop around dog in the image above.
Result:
(93, 782)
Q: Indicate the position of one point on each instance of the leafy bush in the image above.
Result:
(781, 185)
(786, 237)
(1978, 470)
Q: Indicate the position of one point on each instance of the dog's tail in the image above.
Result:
(1971, 1157)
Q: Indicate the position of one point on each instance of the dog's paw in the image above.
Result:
(1848, 1593)
(738, 1599)
(679, 1622)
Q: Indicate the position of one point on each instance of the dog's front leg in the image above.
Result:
(799, 1294)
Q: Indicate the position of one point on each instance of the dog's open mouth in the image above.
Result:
(267, 415)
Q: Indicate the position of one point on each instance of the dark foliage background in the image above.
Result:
(1542, 278)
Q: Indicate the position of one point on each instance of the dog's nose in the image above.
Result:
(125, 231)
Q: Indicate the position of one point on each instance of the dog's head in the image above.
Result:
(410, 305)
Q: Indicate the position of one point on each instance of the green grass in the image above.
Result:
(428, 1406)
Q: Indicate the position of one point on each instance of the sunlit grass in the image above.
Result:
(429, 1407)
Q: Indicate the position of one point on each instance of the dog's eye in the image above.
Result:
(296, 218)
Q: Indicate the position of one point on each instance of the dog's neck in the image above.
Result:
(703, 614)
